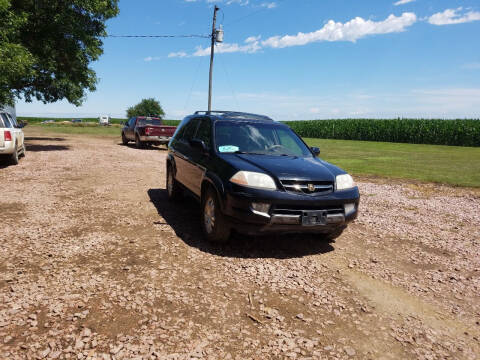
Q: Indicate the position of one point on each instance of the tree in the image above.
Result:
(46, 48)
(146, 107)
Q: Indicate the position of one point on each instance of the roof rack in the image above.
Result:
(234, 114)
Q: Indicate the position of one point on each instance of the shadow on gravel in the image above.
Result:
(132, 146)
(32, 138)
(184, 218)
(38, 148)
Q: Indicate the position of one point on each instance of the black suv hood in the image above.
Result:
(285, 167)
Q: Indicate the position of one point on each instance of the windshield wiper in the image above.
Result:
(248, 153)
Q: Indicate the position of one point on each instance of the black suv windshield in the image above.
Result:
(258, 138)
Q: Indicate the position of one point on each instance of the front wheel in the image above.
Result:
(333, 235)
(214, 225)
(124, 139)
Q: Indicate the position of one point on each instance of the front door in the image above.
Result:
(199, 159)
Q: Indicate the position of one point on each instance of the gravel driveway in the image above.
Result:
(95, 264)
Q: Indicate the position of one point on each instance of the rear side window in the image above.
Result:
(188, 131)
(6, 122)
(2, 125)
(204, 132)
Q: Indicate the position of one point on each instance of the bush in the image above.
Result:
(414, 131)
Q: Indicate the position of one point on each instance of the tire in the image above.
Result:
(24, 151)
(138, 143)
(14, 157)
(174, 191)
(124, 139)
(334, 234)
(214, 225)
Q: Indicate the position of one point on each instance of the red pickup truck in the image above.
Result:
(145, 130)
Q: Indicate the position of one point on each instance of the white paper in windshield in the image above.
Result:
(228, 148)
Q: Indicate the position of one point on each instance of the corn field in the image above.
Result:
(415, 131)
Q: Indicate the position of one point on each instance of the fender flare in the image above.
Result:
(216, 183)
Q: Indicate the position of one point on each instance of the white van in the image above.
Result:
(104, 120)
(11, 138)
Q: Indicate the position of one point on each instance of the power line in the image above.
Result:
(159, 36)
(263, 8)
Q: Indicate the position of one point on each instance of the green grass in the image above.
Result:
(66, 129)
(431, 163)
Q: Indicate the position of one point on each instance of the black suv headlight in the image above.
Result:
(254, 180)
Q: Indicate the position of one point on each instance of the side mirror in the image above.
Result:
(315, 150)
(199, 145)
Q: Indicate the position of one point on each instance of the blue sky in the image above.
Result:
(291, 59)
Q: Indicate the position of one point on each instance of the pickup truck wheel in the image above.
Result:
(14, 156)
(214, 225)
(138, 143)
(124, 139)
(173, 189)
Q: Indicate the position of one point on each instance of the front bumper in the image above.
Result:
(156, 139)
(289, 212)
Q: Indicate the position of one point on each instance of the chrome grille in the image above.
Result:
(307, 187)
(299, 210)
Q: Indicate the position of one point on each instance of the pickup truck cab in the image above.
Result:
(146, 130)
(11, 138)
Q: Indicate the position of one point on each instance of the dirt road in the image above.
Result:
(95, 263)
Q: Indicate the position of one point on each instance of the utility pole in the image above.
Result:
(212, 53)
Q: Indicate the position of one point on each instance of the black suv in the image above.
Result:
(255, 175)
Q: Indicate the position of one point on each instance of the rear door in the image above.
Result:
(184, 154)
(129, 130)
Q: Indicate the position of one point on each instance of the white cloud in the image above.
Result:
(252, 45)
(403, 2)
(152, 58)
(452, 16)
(270, 5)
(350, 31)
(180, 54)
(333, 31)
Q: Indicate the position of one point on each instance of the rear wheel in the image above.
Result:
(14, 156)
(138, 143)
(214, 225)
(124, 139)
(173, 188)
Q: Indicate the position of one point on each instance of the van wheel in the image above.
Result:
(124, 139)
(24, 151)
(173, 188)
(138, 143)
(214, 225)
(14, 156)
